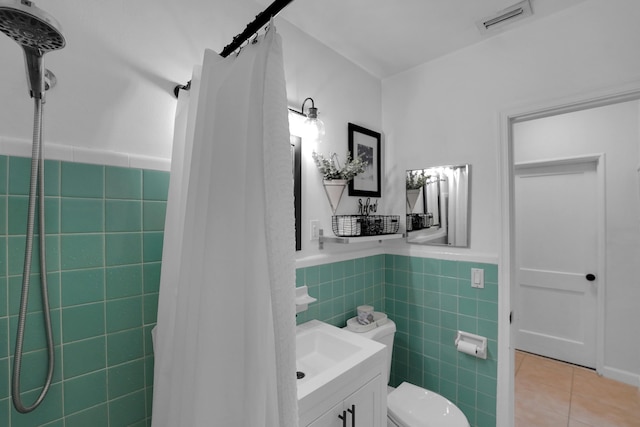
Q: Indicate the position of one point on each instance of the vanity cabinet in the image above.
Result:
(359, 409)
(341, 377)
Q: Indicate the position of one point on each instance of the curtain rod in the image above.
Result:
(252, 28)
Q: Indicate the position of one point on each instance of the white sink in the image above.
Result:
(318, 351)
(325, 352)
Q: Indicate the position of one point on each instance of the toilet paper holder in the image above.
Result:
(472, 344)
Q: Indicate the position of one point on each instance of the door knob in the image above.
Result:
(591, 277)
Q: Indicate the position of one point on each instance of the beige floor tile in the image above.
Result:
(576, 423)
(519, 358)
(613, 393)
(595, 412)
(549, 362)
(542, 386)
(539, 418)
(536, 369)
(541, 398)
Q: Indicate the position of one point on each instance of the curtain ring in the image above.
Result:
(240, 50)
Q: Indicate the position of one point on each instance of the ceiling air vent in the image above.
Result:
(505, 16)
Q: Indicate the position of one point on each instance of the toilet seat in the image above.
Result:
(412, 406)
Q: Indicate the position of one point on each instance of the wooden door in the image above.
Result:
(556, 252)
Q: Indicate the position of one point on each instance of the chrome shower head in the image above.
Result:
(37, 32)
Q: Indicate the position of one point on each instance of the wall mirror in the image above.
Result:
(438, 206)
(296, 165)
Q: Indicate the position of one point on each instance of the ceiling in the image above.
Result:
(387, 37)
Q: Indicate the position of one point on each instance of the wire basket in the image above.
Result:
(364, 225)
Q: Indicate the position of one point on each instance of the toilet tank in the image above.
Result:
(383, 334)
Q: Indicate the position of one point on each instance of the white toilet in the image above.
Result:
(410, 405)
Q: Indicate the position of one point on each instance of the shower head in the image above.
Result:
(37, 32)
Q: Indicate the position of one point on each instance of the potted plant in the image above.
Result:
(414, 183)
(416, 180)
(331, 170)
(335, 177)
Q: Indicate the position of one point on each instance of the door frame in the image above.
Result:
(506, 255)
(600, 162)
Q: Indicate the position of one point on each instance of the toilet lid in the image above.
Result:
(412, 406)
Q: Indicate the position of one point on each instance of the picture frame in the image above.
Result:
(365, 143)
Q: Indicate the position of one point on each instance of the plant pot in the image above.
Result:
(334, 189)
(412, 197)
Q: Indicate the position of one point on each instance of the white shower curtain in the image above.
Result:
(458, 196)
(224, 342)
(433, 193)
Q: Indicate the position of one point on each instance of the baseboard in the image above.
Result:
(622, 376)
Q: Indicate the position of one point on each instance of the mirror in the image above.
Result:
(296, 164)
(438, 206)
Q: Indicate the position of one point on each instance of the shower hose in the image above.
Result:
(36, 187)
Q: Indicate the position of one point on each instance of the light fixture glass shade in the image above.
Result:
(314, 129)
(296, 123)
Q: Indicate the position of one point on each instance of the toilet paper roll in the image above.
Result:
(467, 347)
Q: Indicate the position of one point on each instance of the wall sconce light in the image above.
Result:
(313, 126)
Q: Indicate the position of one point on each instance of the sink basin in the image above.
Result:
(318, 351)
(325, 352)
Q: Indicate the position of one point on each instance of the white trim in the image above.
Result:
(572, 104)
(505, 405)
(383, 249)
(505, 414)
(587, 158)
(68, 153)
(328, 258)
(430, 252)
(601, 171)
(622, 376)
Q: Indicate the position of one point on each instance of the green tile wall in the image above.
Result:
(104, 249)
(341, 287)
(104, 245)
(430, 300)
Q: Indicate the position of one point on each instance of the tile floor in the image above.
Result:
(549, 393)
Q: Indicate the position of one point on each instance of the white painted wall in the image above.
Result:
(122, 60)
(116, 74)
(343, 93)
(448, 110)
(612, 130)
(638, 141)
(114, 101)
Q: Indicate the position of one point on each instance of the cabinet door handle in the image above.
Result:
(353, 415)
(343, 417)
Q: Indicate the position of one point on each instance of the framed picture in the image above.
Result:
(365, 143)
